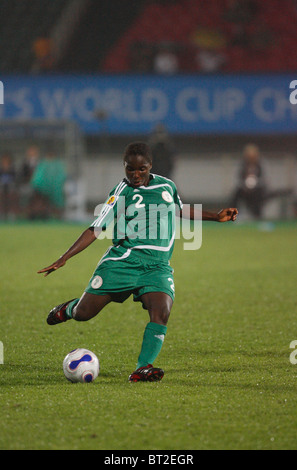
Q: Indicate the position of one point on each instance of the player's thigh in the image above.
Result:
(89, 305)
(159, 306)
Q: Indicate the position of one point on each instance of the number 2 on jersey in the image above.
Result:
(138, 204)
(172, 283)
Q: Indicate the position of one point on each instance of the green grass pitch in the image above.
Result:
(228, 384)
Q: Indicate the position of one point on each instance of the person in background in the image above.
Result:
(43, 48)
(26, 172)
(31, 161)
(162, 151)
(166, 61)
(252, 188)
(48, 182)
(8, 187)
(210, 60)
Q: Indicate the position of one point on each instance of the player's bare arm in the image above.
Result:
(224, 215)
(85, 239)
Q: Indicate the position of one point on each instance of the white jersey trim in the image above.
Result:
(121, 186)
(138, 247)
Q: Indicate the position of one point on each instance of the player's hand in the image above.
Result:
(53, 267)
(227, 214)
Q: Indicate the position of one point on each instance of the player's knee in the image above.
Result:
(161, 314)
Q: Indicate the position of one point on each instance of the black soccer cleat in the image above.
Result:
(58, 314)
(147, 374)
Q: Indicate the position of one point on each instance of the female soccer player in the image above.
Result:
(142, 207)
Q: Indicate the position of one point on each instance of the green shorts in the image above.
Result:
(122, 276)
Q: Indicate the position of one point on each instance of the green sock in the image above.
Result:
(152, 343)
(69, 308)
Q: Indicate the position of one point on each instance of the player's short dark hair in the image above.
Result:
(138, 148)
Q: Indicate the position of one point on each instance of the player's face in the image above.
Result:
(137, 170)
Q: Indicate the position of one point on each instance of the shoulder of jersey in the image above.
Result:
(119, 188)
(116, 192)
(162, 179)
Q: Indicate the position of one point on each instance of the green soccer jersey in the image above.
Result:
(143, 217)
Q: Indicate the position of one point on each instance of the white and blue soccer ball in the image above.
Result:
(81, 365)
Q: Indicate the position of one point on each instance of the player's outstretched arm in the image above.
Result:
(224, 215)
(86, 238)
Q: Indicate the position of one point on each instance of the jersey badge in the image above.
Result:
(111, 201)
(167, 196)
(97, 282)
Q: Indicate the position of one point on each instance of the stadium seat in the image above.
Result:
(177, 22)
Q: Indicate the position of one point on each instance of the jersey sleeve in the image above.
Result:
(176, 197)
(108, 211)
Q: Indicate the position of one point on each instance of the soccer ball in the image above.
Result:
(81, 365)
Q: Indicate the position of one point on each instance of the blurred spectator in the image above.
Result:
(8, 188)
(210, 60)
(208, 39)
(48, 183)
(209, 45)
(25, 175)
(251, 185)
(166, 61)
(252, 189)
(30, 163)
(162, 151)
(43, 51)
